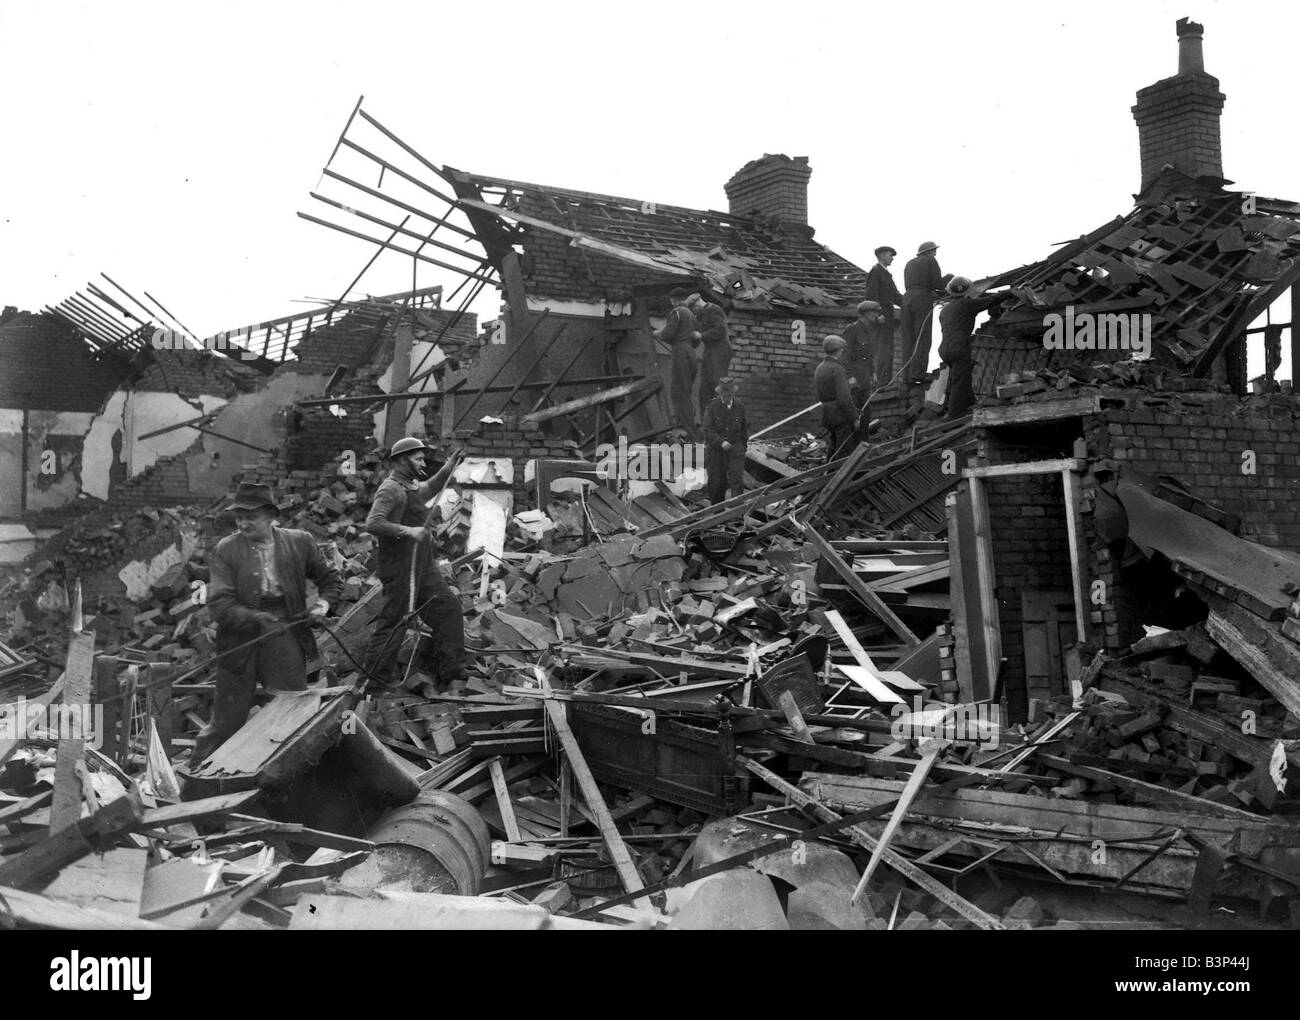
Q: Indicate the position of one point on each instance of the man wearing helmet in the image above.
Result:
(399, 518)
(831, 385)
(957, 321)
(923, 283)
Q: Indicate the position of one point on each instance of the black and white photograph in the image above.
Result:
(677, 467)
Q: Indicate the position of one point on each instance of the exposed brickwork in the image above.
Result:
(46, 365)
(774, 186)
(1178, 124)
(191, 374)
(519, 445)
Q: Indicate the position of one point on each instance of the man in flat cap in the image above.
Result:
(831, 387)
(726, 435)
(682, 333)
(407, 567)
(882, 290)
(716, 360)
(258, 589)
(924, 283)
(863, 339)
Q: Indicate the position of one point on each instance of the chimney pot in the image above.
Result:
(1190, 57)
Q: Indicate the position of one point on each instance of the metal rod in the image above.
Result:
(401, 205)
(501, 367)
(91, 313)
(89, 333)
(169, 315)
(400, 172)
(351, 118)
(392, 247)
(536, 361)
(137, 301)
(563, 372)
(115, 332)
(364, 269)
(379, 127)
(447, 327)
(426, 239)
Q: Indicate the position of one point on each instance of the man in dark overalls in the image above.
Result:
(399, 518)
(258, 589)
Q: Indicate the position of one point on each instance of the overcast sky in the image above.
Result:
(171, 145)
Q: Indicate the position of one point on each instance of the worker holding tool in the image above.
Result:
(957, 322)
(682, 333)
(413, 584)
(831, 386)
(726, 436)
(923, 284)
(257, 595)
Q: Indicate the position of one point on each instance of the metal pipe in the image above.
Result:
(410, 233)
(501, 367)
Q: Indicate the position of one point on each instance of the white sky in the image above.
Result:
(171, 145)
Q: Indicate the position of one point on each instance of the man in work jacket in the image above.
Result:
(682, 333)
(726, 434)
(716, 361)
(923, 282)
(258, 588)
(399, 518)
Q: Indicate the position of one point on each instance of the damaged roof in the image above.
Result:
(1202, 260)
(755, 262)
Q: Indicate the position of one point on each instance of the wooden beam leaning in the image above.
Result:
(66, 809)
(868, 597)
(864, 839)
(594, 400)
(618, 851)
(913, 787)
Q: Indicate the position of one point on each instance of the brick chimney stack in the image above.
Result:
(1178, 117)
(774, 186)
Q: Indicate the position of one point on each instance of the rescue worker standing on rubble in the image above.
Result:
(957, 322)
(682, 333)
(716, 361)
(831, 386)
(863, 338)
(726, 435)
(399, 518)
(258, 590)
(882, 290)
(923, 284)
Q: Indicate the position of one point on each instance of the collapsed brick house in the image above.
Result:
(1074, 445)
(600, 268)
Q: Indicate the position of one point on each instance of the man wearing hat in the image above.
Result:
(863, 340)
(831, 386)
(258, 588)
(682, 333)
(716, 361)
(923, 282)
(726, 435)
(882, 290)
(399, 518)
(957, 323)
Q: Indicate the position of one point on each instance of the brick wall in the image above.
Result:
(46, 365)
(519, 445)
(192, 374)
(1201, 442)
(1178, 123)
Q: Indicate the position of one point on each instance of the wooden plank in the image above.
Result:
(503, 800)
(868, 597)
(901, 864)
(989, 626)
(930, 753)
(111, 881)
(43, 861)
(618, 851)
(1159, 796)
(1037, 410)
(1250, 641)
(1078, 544)
(1034, 467)
(66, 809)
(593, 400)
(30, 910)
(189, 811)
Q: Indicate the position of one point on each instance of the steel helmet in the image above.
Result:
(407, 445)
(927, 246)
(958, 286)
